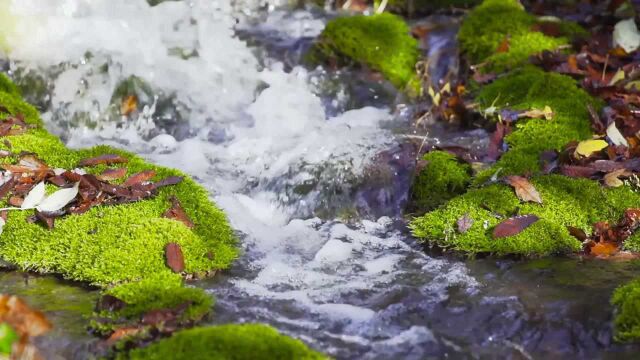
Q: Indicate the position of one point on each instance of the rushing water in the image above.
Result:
(312, 168)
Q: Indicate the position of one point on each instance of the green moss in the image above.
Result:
(442, 179)
(382, 42)
(566, 202)
(165, 291)
(532, 88)
(7, 86)
(626, 299)
(490, 23)
(117, 244)
(227, 342)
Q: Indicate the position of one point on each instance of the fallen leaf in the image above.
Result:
(626, 36)
(577, 233)
(112, 174)
(545, 113)
(171, 180)
(139, 178)
(158, 316)
(513, 226)
(578, 171)
(176, 212)
(603, 249)
(123, 333)
(524, 189)
(23, 319)
(464, 223)
(110, 303)
(58, 199)
(616, 136)
(612, 179)
(108, 159)
(35, 197)
(129, 105)
(587, 148)
(504, 45)
(48, 221)
(174, 257)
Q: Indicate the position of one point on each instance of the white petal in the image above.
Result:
(35, 197)
(625, 35)
(58, 199)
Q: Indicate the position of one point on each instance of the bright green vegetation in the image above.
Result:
(531, 88)
(493, 21)
(227, 342)
(155, 292)
(442, 179)
(382, 42)
(627, 321)
(111, 245)
(8, 336)
(566, 202)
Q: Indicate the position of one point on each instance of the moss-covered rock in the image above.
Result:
(495, 21)
(250, 341)
(113, 245)
(626, 299)
(443, 178)
(531, 88)
(566, 202)
(382, 42)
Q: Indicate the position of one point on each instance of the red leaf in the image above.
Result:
(174, 257)
(139, 178)
(513, 226)
(176, 212)
(578, 171)
(108, 159)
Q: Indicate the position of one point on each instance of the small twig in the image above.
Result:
(382, 6)
(604, 70)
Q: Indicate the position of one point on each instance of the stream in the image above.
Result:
(313, 168)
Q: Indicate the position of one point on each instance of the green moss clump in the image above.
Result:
(490, 23)
(110, 245)
(153, 293)
(531, 88)
(382, 42)
(442, 179)
(249, 341)
(566, 202)
(626, 299)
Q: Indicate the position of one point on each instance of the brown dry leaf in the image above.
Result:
(513, 226)
(464, 223)
(139, 178)
(123, 333)
(174, 257)
(524, 189)
(24, 320)
(112, 174)
(612, 179)
(176, 212)
(577, 233)
(545, 113)
(604, 249)
(107, 159)
(129, 105)
(171, 180)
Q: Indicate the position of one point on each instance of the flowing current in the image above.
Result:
(312, 173)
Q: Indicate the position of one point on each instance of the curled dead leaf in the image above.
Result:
(612, 179)
(177, 212)
(174, 257)
(513, 226)
(139, 178)
(525, 191)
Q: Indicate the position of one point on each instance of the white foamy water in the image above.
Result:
(253, 134)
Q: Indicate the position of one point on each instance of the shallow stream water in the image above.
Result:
(313, 169)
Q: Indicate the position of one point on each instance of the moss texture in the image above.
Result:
(531, 88)
(227, 342)
(566, 202)
(626, 299)
(493, 21)
(443, 178)
(382, 42)
(115, 244)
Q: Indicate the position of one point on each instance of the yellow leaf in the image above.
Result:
(446, 88)
(588, 147)
(129, 105)
(618, 76)
(546, 113)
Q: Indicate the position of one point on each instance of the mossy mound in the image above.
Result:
(531, 88)
(627, 321)
(566, 202)
(226, 342)
(443, 178)
(111, 245)
(496, 21)
(382, 42)
(164, 292)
